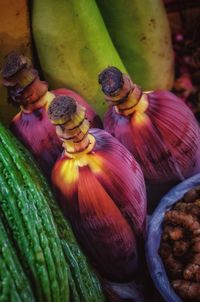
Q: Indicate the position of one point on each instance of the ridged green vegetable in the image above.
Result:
(84, 285)
(141, 34)
(30, 220)
(84, 280)
(14, 285)
(73, 46)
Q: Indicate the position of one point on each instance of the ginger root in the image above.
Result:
(196, 245)
(192, 272)
(174, 266)
(178, 218)
(180, 245)
(189, 208)
(187, 289)
(176, 233)
(172, 233)
(180, 248)
(191, 195)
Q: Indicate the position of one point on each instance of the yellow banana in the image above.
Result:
(14, 36)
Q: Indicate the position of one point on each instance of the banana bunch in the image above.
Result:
(14, 36)
(74, 45)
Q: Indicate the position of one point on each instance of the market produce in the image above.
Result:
(156, 127)
(93, 118)
(31, 125)
(140, 32)
(14, 35)
(84, 285)
(14, 283)
(188, 290)
(180, 245)
(73, 46)
(100, 189)
(31, 223)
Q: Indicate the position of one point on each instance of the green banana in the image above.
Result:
(73, 46)
(140, 32)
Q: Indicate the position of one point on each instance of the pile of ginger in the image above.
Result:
(180, 245)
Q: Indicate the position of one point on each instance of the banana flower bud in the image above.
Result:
(101, 190)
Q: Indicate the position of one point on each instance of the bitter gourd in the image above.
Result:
(30, 220)
(84, 285)
(14, 285)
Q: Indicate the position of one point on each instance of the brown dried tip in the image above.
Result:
(14, 62)
(61, 109)
(111, 80)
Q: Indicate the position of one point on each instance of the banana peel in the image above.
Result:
(14, 36)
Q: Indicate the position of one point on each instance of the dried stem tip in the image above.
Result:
(61, 109)
(13, 64)
(111, 80)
